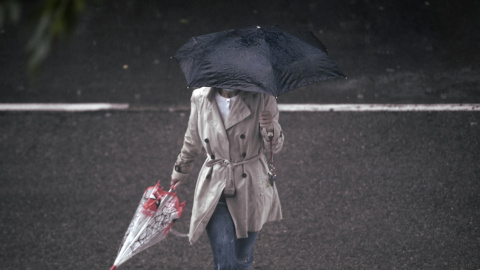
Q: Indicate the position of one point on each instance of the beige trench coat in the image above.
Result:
(235, 160)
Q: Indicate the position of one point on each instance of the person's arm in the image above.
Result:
(269, 125)
(192, 146)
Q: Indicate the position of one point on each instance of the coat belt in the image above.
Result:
(226, 164)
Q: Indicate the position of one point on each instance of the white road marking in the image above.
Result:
(376, 107)
(63, 107)
(82, 107)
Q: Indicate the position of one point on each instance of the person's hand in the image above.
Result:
(175, 183)
(266, 120)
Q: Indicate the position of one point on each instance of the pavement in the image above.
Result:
(376, 190)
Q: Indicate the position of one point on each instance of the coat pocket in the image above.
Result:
(262, 176)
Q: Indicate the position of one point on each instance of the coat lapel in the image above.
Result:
(213, 114)
(238, 112)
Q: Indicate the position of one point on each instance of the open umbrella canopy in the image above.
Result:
(258, 59)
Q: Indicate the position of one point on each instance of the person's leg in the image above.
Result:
(244, 248)
(221, 232)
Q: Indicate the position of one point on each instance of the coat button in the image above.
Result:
(242, 136)
(207, 141)
(244, 175)
(212, 156)
(244, 155)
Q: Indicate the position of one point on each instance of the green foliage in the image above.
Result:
(55, 20)
(10, 11)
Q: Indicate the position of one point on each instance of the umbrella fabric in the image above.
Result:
(152, 221)
(258, 59)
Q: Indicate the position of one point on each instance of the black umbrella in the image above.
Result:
(259, 59)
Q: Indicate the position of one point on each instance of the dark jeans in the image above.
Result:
(228, 251)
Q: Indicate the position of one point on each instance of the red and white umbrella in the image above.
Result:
(153, 219)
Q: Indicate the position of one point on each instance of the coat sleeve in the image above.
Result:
(270, 104)
(192, 144)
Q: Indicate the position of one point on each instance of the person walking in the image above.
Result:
(234, 196)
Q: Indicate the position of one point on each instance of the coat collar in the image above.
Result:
(238, 112)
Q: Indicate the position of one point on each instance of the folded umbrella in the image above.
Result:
(152, 221)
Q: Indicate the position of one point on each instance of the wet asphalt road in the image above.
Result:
(358, 191)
